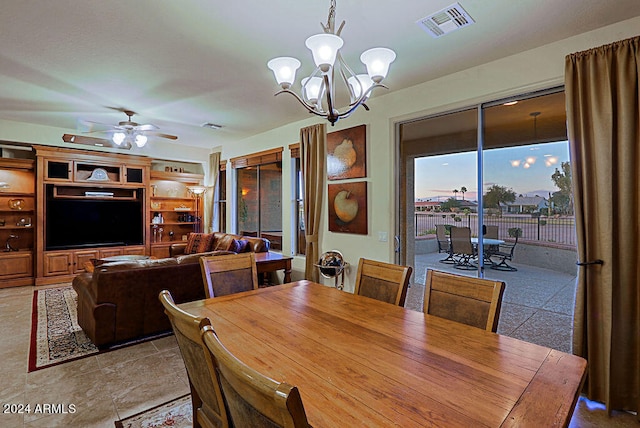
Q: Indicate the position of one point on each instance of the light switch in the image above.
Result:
(382, 236)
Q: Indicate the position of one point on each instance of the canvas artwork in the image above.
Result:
(348, 207)
(346, 156)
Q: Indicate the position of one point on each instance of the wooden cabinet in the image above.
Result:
(174, 210)
(114, 190)
(17, 217)
(71, 262)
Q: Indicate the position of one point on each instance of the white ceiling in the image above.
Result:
(180, 63)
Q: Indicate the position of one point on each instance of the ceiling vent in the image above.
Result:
(445, 21)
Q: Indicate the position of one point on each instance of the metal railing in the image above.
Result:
(557, 230)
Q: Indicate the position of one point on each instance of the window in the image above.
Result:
(259, 196)
(298, 202)
(221, 201)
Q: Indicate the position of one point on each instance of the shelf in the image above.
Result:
(17, 211)
(21, 194)
(161, 210)
(174, 223)
(169, 198)
(15, 227)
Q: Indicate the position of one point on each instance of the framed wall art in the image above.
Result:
(346, 153)
(348, 207)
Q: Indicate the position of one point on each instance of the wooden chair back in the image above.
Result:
(206, 396)
(382, 281)
(254, 400)
(472, 301)
(461, 240)
(229, 274)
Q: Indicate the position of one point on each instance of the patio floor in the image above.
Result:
(537, 305)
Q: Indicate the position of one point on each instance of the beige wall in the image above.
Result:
(531, 70)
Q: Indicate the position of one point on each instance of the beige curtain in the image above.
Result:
(603, 92)
(312, 162)
(210, 195)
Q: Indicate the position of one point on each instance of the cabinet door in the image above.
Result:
(58, 263)
(134, 175)
(160, 252)
(133, 251)
(81, 258)
(59, 170)
(110, 252)
(16, 265)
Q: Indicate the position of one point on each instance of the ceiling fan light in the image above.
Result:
(141, 140)
(377, 61)
(324, 48)
(284, 69)
(360, 84)
(118, 137)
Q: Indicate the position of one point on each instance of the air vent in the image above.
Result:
(445, 21)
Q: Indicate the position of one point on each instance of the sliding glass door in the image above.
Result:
(501, 164)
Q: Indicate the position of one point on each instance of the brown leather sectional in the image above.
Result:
(118, 302)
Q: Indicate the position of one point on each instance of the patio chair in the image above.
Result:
(506, 251)
(462, 248)
(492, 233)
(444, 246)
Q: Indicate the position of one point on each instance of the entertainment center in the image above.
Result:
(70, 206)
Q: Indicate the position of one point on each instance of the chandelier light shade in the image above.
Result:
(319, 89)
(284, 69)
(324, 48)
(377, 61)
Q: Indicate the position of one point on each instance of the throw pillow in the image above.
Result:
(238, 246)
(198, 243)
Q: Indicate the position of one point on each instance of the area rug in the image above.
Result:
(56, 337)
(175, 414)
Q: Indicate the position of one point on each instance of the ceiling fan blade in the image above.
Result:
(161, 135)
(147, 127)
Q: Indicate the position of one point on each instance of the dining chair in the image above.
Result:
(229, 274)
(462, 248)
(472, 301)
(206, 396)
(253, 399)
(382, 281)
(444, 246)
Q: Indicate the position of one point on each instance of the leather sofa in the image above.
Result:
(118, 302)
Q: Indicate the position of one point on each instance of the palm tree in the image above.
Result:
(455, 192)
(463, 190)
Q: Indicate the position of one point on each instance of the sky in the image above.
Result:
(525, 169)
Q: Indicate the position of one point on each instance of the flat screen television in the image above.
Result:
(90, 222)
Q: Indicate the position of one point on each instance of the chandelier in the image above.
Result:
(318, 90)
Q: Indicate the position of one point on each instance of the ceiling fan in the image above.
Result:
(127, 133)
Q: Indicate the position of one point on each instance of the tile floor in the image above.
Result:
(114, 385)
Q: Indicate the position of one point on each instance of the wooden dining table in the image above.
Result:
(359, 362)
